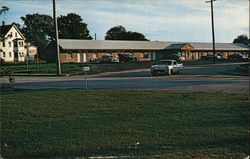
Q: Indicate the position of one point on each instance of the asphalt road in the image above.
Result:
(215, 77)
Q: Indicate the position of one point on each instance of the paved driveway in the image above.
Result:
(217, 77)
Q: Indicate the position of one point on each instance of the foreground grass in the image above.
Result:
(53, 123)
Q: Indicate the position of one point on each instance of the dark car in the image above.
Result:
(211, 56)
(108, 59)
(176, 57)
(124, 58)
(236, 57)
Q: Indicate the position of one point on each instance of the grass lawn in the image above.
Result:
(73, 68)
(50, 123)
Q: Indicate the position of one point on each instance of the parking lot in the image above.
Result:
(209, 77)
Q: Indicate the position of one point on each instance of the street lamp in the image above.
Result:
(59, 72)
(212, 17)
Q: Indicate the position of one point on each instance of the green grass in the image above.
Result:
(51, 123)
(72, 68)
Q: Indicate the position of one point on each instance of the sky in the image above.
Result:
(158, 20)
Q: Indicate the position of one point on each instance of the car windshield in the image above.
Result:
(165, 63)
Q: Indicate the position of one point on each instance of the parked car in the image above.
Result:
(176, 57)
(124, 58)
(210, 57)
(236, 57)
(166, 67)
(108, 59)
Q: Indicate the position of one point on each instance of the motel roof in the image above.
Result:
(72, 44)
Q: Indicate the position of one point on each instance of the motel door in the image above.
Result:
(85, 57)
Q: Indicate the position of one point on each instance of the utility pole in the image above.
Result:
(212, 18)
(59, 71)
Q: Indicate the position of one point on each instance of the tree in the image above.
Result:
(72, 27)
(38, 29)
(242, 39)
(120, 33)
(116, 33)
(135, 36)
(3, 9)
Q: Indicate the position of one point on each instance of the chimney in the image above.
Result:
(3, 23)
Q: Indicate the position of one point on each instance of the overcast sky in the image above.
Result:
(162, 20)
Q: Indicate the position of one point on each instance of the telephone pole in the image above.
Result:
(59, 71)
(212, 18)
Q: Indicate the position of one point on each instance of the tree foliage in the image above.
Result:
(38, 29)
(120, 33)
(72, 27)
(3, 9)
(242, 39)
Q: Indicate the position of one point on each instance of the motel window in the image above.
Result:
(9, 54)
(94, 55)
(4, 54)
(69, 55)
(145, 55)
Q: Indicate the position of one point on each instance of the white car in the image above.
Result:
(166, 67)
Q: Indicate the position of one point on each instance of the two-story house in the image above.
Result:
(12, 44)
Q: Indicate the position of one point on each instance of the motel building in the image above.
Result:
(81, 51)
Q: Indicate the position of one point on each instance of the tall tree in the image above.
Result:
(72, 27)
(135, 36)
(116, 33)
(3, 9)
(38, 29)
(242, 39)
(120, 33)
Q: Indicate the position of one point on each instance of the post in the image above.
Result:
(86, 83)
(85, 69)
(212, 19)
(59, 72)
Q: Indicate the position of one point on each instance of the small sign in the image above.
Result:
(85, 68)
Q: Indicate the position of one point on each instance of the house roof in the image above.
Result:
(69, 44)
(4, 30)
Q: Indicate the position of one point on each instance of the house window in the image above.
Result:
(9, 54)
(4, 54)
(9, 44)
(16, 34)
(3, 44)
(15, 44)
(21, 44)
(69, 56)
